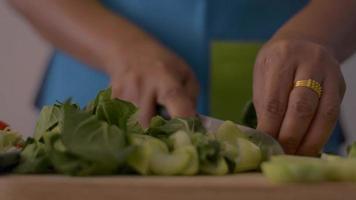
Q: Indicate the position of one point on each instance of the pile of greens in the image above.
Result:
(105, 138)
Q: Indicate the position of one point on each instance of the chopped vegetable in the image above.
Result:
(9, 140)
(352, 150)
(106, 138)
(285, 168)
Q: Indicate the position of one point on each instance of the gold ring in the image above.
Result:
(310, 83)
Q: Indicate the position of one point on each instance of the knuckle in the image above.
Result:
(331, 112)
(161, 66)
(276, 56)
(319, 55)
(289, 143)
(171, 93)
(274, 108)
(283, 48)
(318, 51)
(302, 107)
(133, 78)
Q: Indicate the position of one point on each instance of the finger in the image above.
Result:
(271, 106)
(147, 107)
(192, 87)
(302, 106)
(129, 89)
(325, 119)
(176, 100)
(116, 89)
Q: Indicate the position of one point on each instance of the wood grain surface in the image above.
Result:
(244, 186)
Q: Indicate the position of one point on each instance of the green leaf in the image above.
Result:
(157, 121)
(208, 148)
(9, 161)
(182, 161)
(65, 162)
(267, 144)
(352, 150)
(116, 112)
(249, 156)
(34, 158)
(229, 132)
(145, 147)
(163, 129)
(103, 95)
(219, 167)
(179, 139)
(243, 154)
(8, 140)
(49, 118)
(93, 140)
(193, 166)
(286, 168)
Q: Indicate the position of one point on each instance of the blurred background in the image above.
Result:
(24, 55)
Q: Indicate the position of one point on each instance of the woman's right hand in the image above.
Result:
(148, 74)
(140, 68)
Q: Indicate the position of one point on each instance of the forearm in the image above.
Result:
(83, 28)
(328, 22)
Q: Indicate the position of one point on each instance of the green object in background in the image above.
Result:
(231, 77)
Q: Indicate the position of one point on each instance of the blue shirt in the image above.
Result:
(185, 26)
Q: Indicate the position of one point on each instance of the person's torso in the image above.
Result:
(185, 26)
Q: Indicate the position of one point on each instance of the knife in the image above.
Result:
(268, 145)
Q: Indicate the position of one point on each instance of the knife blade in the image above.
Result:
(269, 146)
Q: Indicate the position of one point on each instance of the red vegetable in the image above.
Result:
(3, 125)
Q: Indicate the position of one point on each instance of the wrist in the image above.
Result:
(295, 37)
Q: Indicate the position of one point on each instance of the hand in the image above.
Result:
(300, 121)
(148, 74)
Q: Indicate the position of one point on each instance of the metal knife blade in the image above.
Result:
(269, 146)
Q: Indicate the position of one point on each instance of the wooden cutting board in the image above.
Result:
(244, 186)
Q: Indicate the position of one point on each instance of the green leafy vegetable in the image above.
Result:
(34, 158)
(49, 119)
(106, 138)
(93, 140)
(8, 161)
(220, 167)
(8, 140)
(163, 129)
(116, 112)
(228, 131)
(285, 168)
(352, 150)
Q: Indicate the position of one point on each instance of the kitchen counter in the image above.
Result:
(242, 186)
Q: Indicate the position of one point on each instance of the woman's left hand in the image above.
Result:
(300, 120)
